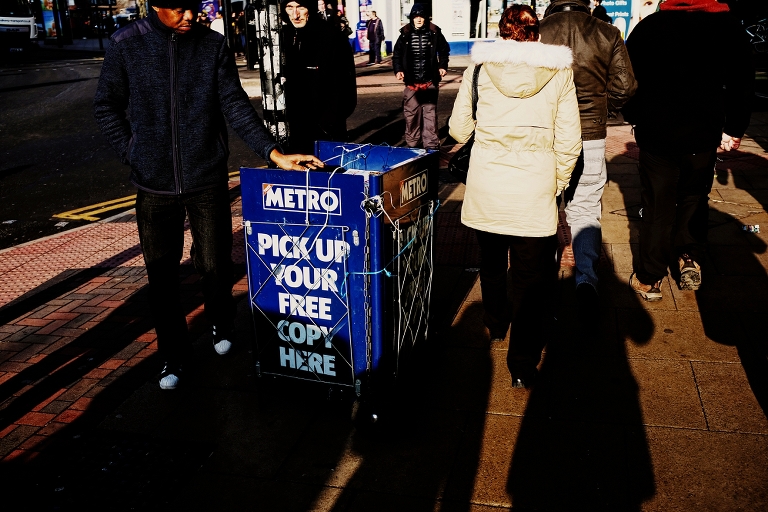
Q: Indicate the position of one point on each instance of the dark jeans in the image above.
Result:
(532, 267)
(374, 51)
(674, 196)
(160, 220)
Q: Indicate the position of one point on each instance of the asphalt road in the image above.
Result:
(53, 157)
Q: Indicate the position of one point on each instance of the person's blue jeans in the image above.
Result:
(160, 220)
(583, 205)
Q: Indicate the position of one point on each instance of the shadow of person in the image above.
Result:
(733, 296)
(581, 444)
(408, 460)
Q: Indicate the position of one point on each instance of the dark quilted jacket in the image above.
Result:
(178, 90)
(438, 52)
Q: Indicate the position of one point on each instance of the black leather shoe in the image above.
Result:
(587, 299)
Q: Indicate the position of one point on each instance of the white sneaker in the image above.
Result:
(169, 378)
(220, 343)
(222, 347)
(170, 381)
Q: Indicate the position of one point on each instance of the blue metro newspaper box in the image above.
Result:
(340, 262)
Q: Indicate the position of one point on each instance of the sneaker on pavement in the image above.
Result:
(649, 292)
(690, 273)
(221, 343)
(169, 378)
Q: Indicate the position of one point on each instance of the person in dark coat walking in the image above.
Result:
(420, 59)
(604, 82)
(375, 38)
(320, 83)
(693, 67)
(600, 13)
(179, 83)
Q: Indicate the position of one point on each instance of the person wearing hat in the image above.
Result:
(695, 76)
(178, 82)
(604, 82)
(320, 84)
(420, 59)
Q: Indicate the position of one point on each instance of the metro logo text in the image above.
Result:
(413, 188)
(301, 199)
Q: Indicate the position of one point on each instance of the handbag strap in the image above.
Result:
(474, 91)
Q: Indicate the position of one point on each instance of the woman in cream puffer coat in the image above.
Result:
(527, 141)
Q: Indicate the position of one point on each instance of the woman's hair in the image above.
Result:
(519, 22)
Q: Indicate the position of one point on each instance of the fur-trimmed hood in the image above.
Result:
(521, 69)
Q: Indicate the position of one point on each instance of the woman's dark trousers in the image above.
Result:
(531, 265)
(674, 195)
(160, 221)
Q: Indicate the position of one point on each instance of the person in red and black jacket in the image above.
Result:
(420, 59)
(695, 84)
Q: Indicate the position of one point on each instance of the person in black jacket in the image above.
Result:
(420, 59)
(600, 13)
(375, 37)
(695, 82)
(320, 83)
(179, 83)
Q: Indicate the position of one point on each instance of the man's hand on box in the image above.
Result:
(295, 162)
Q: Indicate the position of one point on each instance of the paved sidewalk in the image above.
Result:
(664, 410)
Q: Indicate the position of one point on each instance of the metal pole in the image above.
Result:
(57, 24)
(251, 40)
(267, 19)
(226, 8)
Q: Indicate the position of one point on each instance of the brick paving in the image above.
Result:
(53, 358)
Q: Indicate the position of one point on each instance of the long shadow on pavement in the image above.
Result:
(734, 293)
(581, 443)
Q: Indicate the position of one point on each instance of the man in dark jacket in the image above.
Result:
(320, 83)
(692, 61)
(375, 38)
(600, 13)
(179, 83)
(604, 82)
(420, 59)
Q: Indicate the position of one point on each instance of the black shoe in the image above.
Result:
(587, 305)
(586, 295)
(170, 376)
(525, 379)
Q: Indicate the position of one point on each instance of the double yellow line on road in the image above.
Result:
(90, 212)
